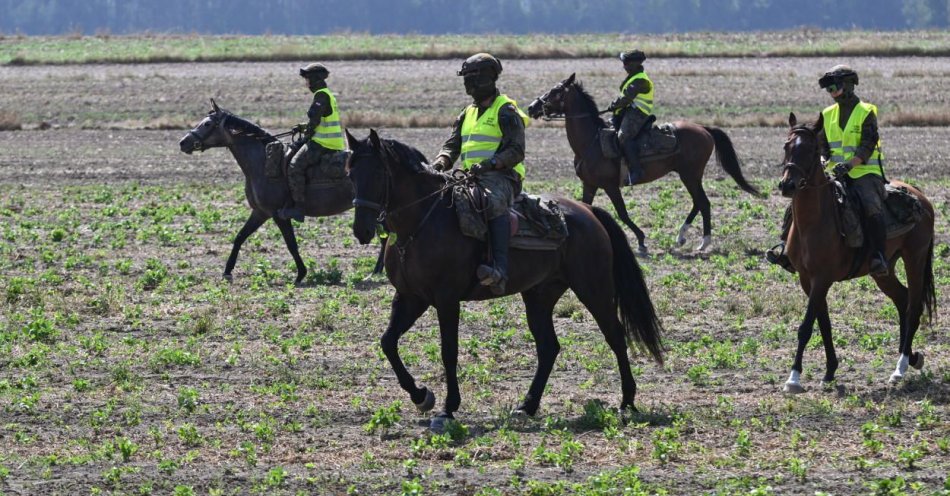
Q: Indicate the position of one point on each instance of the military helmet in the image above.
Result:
(479, 64)
(632, 56)
(839, 74)
(314, 70)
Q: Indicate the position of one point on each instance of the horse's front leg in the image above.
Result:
(816, 299)
(253, 223)
(287, 230)
(449, 332)
(403, 314)
(831, 358)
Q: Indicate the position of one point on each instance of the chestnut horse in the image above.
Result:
(819, 254)
(569, 100)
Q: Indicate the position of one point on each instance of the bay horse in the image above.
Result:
(819, 254)
(431, 264)
(246, 141)
(569, 100)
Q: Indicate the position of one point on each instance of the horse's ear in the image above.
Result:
(374, 139)
(351, 140)
(570, 79)
(792, 120)
(214, 106)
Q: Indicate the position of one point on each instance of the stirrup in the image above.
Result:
(491, 277)
(776, 255)
(882, 267)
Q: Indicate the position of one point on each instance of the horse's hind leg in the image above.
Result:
(403, 314)
(694, 186)
(616, 198)
(539, 304)
(910, 306)
(253, 223)
(287, 230)
(590, 191)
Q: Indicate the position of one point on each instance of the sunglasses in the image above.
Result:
(831, 88)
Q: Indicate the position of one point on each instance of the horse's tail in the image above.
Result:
(930, 293)
(728, 160)
(637, 315)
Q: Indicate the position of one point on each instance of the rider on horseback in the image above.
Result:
(321, 135)
(851, 150)
(489, 137)
(632, 110)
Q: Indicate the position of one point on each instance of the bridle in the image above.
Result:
(805, 174)
(219, 117)
(547, 115)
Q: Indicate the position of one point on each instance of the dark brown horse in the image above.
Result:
(432, 264)
(817, 250)
(265, 195)
(569, 100)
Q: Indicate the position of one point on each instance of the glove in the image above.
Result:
(614, 105)
(301, 128)
(441, 163)
(483, 167)
(840, 171)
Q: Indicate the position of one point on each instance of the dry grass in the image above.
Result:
(380, 119)
(9, 121)
(917, 119)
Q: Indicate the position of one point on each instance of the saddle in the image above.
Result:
(659, 141)
(902, 211)
(537, 222)
(330, 169)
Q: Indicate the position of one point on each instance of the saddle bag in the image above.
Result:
(609, 144)
(274, 159)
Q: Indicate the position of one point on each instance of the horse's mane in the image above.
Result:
(407, 156)
(249, 128)
(590, 106)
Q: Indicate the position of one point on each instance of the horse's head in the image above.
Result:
(368, 169)
(552, 103)
(207, 133)
(801, 163)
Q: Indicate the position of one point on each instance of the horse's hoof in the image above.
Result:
(228, 277)
(918, 360)
(642, 250)
(707, 241)
(438, 423)
(793, 388)
(681, 235)
(520, 413)
(895, 378)
(427, 403)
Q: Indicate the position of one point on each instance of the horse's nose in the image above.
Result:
(787, 187)
(186, 145)
(534, 110)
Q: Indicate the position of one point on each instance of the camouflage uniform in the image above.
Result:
(629, 119)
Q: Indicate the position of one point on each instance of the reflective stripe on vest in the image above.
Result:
(329, 133)
(643, 101)
(481, 136)
(844, 142)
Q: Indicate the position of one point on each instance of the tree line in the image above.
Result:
(304, 17)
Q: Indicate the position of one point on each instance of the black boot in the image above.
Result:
(499, 230)
(776, 254)
(877, 237)
(291, 211)
(631, 152)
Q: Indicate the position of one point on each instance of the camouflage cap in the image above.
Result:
(314, 70)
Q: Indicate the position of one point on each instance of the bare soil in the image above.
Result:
(118, 377)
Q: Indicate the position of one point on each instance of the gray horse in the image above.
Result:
(265, 195)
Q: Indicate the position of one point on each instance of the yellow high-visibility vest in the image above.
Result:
(481, 136)
(643, 101)
(329, 133)
(844, 142)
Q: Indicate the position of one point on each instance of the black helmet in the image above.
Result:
(840, 74)
(314, 70)
(632, 57)
(481, 64)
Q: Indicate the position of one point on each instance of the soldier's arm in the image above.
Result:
(637, 87)
(869, 138)
(318, 109)
(452, 147)
(511, 150)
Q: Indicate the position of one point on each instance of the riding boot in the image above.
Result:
(499, 230)
(877, 237)
(776, 254)
(291, 211)
(632, 154)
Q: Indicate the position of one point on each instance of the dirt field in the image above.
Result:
(128, 366)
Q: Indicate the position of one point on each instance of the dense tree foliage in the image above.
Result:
(462, 16)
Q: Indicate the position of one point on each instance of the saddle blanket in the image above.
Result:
(537, 222)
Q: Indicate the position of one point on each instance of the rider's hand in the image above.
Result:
(301, 128)
(483, 166)
(840, 171)
(441, 163)
(614, 105)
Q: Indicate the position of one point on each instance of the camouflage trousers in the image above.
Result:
(501, 188)
(310, 154)
(631, 125)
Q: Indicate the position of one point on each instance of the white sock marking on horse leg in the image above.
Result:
(794, 378)
(707, 241)
(681, 237)
(902, 363)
